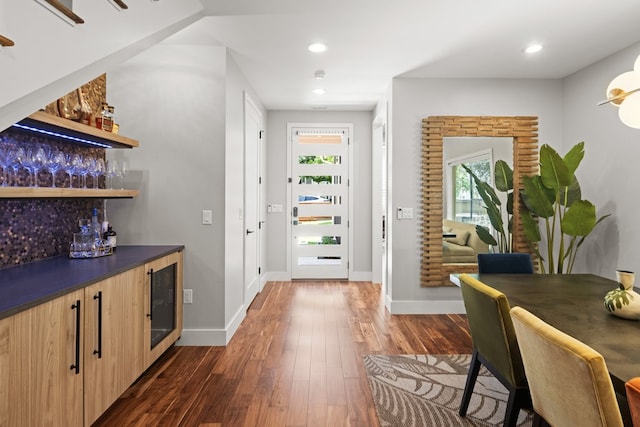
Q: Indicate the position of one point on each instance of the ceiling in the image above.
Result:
(372, 41)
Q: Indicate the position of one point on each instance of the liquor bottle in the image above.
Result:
(107, 118)
(99, 118)
(95, 227)
(112, 117)
(110, 236)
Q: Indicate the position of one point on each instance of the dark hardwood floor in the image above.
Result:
(296, 360)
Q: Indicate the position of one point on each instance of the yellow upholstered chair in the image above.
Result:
(569, 381)
(494, 346)
(633, 398)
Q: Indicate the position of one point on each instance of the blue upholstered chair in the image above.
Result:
(507, 263)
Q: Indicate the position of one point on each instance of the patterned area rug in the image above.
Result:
(426, 390)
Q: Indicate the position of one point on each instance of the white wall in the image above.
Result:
(236, 84)
(276, 223)
(184, 102)
(171, 98)
(414, 99)
(609, 172)
(50, 57)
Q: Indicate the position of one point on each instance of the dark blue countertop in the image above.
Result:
(27, 285)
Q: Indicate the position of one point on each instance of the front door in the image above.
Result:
(320, 203)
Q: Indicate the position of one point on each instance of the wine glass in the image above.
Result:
(124, 169)
(25, 159)
(97, 169)
(38, 161)
(111, 171)
(72, 166)
(57, 160)
(3, 164)
(82, 169)
(14, 161)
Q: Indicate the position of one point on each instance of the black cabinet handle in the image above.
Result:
(150, 313)
(76, 365)
(99, 350)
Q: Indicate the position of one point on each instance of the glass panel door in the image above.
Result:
(320, 203)
(163, 303)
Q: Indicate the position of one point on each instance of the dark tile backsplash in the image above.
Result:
(31, 230)
(35, 229)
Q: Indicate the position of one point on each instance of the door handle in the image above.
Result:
(295, 212)
(250, 231)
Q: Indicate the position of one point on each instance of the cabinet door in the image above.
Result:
(113, 339)
(56, 370)
(15, 371)
(151, 353)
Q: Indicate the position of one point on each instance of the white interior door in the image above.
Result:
(320, 203)
(252, 128)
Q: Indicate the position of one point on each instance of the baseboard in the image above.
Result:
(212, 337)
(277, 276)
(284, 276)
(360, 276)
(426, 307)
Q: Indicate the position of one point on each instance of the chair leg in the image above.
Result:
(538, 421)
(518, 399)
(474, 369)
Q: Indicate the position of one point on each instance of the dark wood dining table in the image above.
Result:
(574, 304)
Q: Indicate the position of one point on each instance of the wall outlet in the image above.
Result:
(187, 296)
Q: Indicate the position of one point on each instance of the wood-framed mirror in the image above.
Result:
(523, 130)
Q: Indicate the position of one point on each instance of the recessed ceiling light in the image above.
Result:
(317, 47)
(533, 48)
(318, 75)
(319, 91)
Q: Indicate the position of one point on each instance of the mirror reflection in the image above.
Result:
(463, 208)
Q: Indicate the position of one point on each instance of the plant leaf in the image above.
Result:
(579, 219)
(538, 198)
(573, 191)
(510, 203)
(573, 158)
(503, 176)
(485, 235)
(553, 171)
(530, 227)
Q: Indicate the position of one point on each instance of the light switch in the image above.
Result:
(207, 217)
(404, 213)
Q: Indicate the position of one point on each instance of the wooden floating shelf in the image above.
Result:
(64, 193)
(74, 132)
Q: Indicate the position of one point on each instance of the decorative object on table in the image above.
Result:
(624, 93)
(624, 301)
(555, 197)
(426, 390)
(503, 180)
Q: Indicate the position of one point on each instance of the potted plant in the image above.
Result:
(503, 179)
(555, 198)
